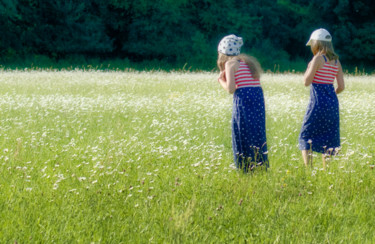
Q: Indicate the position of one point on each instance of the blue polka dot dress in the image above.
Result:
(248, 122)
(320, 130)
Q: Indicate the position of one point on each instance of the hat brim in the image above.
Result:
(308, 43)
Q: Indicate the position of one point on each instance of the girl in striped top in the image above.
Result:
(320, 130)
(239, 75)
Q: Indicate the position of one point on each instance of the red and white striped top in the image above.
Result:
(327, 74)
(244, 78)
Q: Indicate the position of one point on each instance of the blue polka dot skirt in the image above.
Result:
(249, 128)
(320, 130)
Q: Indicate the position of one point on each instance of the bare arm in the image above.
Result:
(340, 80)
(315, 64)
(227, 78)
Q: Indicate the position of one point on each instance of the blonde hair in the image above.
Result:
(252, 62)
(324, 47)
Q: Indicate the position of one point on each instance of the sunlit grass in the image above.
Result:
(137, 157)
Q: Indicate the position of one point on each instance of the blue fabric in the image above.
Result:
(249, 128)
(321, 123)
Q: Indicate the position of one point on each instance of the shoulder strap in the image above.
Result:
(325, 59)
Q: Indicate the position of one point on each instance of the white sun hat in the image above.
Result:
(230, 45)
(320, 35)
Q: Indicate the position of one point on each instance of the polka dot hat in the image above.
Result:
(230, 45)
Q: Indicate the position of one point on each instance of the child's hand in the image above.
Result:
(222, 76)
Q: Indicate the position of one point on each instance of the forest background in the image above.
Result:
(180, 34)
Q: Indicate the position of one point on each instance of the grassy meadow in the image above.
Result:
(145, 157)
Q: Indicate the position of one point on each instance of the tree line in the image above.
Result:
(184, 31)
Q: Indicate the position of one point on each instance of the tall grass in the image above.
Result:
(137, 157)
(276, 65)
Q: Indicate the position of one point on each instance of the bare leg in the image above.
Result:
(307, 157)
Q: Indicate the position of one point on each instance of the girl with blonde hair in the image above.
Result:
(320, 130)
(240, 76)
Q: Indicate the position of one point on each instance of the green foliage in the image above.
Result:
(180, 31)
(8, 37)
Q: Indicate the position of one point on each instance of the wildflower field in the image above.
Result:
(145, 157)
